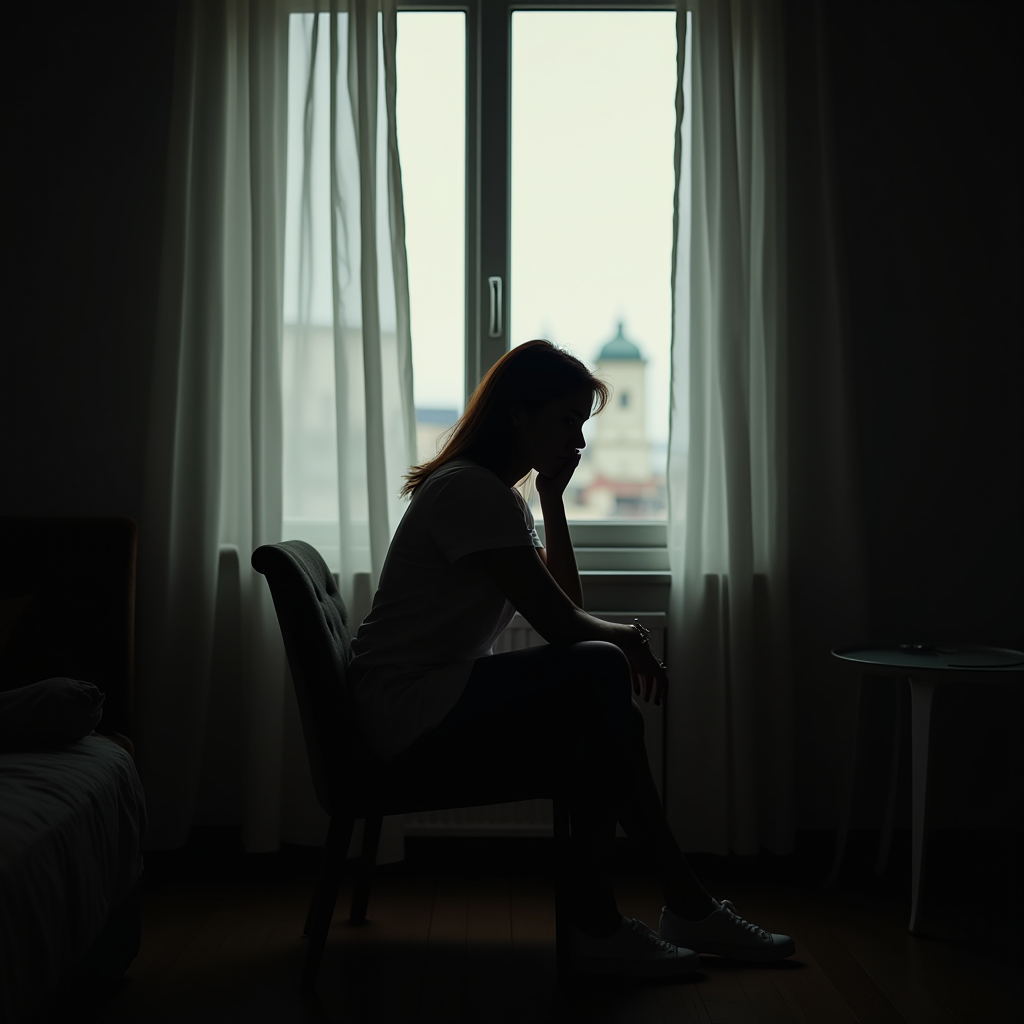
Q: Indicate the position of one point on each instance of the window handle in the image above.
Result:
(494, 288)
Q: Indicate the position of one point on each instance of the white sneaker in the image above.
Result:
(724, 933)
(634, 950)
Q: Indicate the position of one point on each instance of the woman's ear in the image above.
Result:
(522, 417)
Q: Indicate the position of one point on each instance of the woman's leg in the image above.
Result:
(539, 720)
(638, 809)
(565, 713)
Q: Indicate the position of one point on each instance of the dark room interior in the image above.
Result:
(928, 173)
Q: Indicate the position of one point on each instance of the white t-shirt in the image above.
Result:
(435, 612)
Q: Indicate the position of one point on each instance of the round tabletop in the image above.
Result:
(913, 658)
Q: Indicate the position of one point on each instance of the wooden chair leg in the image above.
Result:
(364, 873)
(321, 910)
(560, 816)
(309, 914)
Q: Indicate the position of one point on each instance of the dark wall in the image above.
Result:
(927, 106)
(87, 120)
(926, 109)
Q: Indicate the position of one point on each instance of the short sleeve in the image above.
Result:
(472, 510)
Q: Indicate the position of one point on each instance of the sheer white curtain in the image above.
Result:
(350, 422)
(765, 530)
(246, 290)
(214, 449)
(730, 710)
(348, 349)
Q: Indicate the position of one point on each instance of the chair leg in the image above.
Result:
(309, 914)
(321, 910)
(364, 873)
(560, 816)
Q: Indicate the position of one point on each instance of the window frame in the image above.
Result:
(600, 545)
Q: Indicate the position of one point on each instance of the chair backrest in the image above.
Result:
(314, 626)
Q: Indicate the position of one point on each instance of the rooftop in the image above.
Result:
(620, 347)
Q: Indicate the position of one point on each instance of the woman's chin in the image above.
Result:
(552, 468)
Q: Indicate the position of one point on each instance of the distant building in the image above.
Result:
(622, 452)
(616, 477)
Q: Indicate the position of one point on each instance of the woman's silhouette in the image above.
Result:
(426, 687)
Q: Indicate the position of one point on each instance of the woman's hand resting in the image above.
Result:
(649, 674)
(554, 486)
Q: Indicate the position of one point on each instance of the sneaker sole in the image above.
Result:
(757, 954)
(636, 968)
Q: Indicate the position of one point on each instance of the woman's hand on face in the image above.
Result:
(554, 486)
(649, 674)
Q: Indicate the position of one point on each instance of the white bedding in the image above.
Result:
(71, 823)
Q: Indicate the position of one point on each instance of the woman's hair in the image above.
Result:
(527, 376)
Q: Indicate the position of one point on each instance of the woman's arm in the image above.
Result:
(559, 556)
(521, 576)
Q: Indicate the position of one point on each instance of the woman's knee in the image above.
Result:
(598, 673)
(600, 659)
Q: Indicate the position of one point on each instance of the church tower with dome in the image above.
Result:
(622, 452)
(616, 478)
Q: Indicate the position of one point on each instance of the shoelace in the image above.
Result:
(758, 933)
(655, 940)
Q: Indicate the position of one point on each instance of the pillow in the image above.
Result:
(51, 711)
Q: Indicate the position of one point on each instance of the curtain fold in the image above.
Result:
(213, 446)
(730, 711)
(347, 290)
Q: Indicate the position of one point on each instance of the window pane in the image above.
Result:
(593, 121)
(431, 72)
(430, 114)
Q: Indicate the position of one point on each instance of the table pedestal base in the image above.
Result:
(922, 692)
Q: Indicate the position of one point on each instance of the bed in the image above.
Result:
(72, 809)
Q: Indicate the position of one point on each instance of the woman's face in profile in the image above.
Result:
(551, 435)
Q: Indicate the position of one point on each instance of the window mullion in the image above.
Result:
(473, 197)
(490, 67)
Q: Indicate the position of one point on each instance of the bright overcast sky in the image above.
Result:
(592, 182)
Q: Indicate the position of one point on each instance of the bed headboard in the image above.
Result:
(67, 606)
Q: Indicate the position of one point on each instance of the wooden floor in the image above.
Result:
(473, 940)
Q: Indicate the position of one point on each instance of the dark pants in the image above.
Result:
(564, 714)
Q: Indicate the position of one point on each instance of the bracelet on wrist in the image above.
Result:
(642, 632)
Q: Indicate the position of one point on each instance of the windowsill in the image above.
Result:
(607, 553)
(647, 578)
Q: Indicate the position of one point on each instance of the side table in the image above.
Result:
(925, 668)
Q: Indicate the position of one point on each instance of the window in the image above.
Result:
(551, 171)
(574, 184)
(591, 188)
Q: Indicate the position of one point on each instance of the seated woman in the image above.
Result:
(427, 688)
